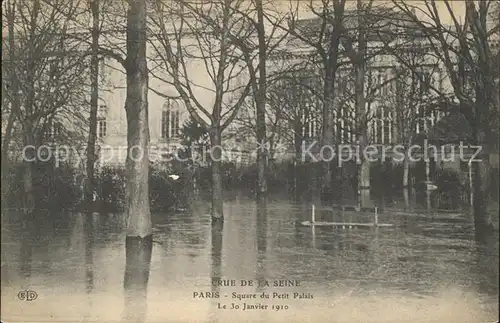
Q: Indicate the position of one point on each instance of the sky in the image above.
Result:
(457, 5)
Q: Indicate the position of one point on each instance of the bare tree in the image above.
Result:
(203, 35)
(358, 57)
(47, 74)
(366, 35)
(260, 16)
(244, 125)
(464, 49)
(139, 240)
(94, 101)
(293, 105)
(297, 99)
(260, 98)
(414, 105)
(323, 35)
(417, 97)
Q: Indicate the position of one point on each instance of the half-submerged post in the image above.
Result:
(376, 216)
(313, 215)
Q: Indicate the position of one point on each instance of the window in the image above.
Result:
(174, 124)
(373, 80)
(384, 86)
(335, 124)
(421, 125)
(387, 132)
(341, 125)
(381, 126)
(170, 120)
(309, 124)
(380, 131)
(425, 82)
(48, 131)
(53, 129)
(101, 128)
(57, 129)
(374, 131)
(165, 122)
(390, 87)
(428, 123)
(102, 111)
(345, 132)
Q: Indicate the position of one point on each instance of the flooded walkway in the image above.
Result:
(426, 269)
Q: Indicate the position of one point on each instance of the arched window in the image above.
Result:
(53, 129)
(170, 119)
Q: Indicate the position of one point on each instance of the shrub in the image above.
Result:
(164, 192)
(450, 188)
(111, 187)
(60, 188)
(54, 187)
(12, 187)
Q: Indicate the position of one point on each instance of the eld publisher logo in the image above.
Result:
(27, 295)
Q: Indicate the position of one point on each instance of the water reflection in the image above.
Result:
(137, 266)
(486, 252)
(88, 237)
(216, 268)
(261, 234)
(428, 266)
(406, 196)
(26, 252)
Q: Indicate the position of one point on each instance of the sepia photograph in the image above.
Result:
(213, 161)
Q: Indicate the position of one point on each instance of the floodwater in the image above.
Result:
(426, 269)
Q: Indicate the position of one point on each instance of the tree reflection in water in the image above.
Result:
(26, 252)
(138, 260)
(215, 275)
(88, 237)
(261, 237)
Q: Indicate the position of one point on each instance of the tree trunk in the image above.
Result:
(297, 142)
(363, 164)
(216, 154)
(406, 172)
(94, 97)
(136, 105)
(406, 196)
(327, 138)
(5, 152)
(13, 87)
(482, 219)
(29, 159)
(406, 165)
(483, 137)
(139, 240)
(295, 189)
(331, 66)
(260, 103)
(364, 183)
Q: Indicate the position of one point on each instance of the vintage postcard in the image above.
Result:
(182, 161)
